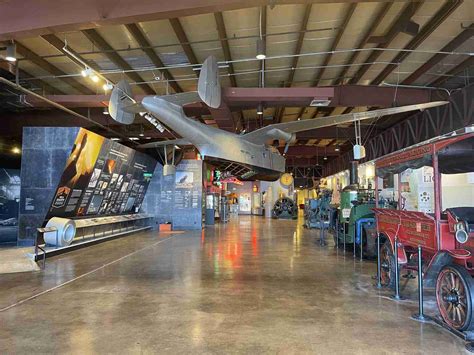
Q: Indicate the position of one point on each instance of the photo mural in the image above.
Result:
(101, 177)
(9, 204)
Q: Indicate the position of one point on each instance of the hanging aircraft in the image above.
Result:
(246, 156)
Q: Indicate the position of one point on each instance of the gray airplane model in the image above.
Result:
(245, 156)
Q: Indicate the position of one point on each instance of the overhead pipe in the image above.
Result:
(61, 107)
(340, 51)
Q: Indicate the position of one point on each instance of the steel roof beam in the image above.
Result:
(236, 98)
(434, 60)
(143, 42)
(225, 44)
(335, 43)
(467, 63)
(115, 58)
(50, 68)
(410, 9)
(299, 45)
(8, 70)
(226, 49)
(183, 39)
(441, 15)
(307, 150)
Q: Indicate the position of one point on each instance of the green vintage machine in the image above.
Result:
(355, 219)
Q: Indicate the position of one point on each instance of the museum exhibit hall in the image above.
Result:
(237, 177)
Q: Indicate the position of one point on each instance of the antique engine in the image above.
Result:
(285, 208)
(356, 220)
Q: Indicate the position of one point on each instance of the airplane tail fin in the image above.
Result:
(122, 106)
(209, 88)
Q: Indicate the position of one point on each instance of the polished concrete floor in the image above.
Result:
(252, 286)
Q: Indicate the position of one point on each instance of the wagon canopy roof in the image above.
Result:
(455, 156)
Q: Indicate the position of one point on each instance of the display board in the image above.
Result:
(101, 177)
(9, 204)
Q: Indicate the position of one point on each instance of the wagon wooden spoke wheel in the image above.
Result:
(387, 265)
(454, 297)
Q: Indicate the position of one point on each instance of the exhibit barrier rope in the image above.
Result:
(83, 275)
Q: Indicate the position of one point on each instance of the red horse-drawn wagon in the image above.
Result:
(442, 226)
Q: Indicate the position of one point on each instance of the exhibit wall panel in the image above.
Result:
(9, 204)
(45, 151)
(177, 198)
(101, 177)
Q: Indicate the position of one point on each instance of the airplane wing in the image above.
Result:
(284, 130)
(180, 141)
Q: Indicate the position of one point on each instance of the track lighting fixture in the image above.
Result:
(87, 72)
(107, 86)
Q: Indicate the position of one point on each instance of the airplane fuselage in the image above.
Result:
(262, 162)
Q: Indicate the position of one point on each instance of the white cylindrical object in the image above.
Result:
(169, 169)
(66, 232)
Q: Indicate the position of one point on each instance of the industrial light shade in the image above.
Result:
(261, 49)
(11, 52)
(260, 109)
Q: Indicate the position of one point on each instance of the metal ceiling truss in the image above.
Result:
(418, 128)
(298, 172)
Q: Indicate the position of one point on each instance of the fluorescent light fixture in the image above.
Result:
(260, 49)
(260, 109)
(11, 52)
(115, 139)
(134, 138)
(319, 103)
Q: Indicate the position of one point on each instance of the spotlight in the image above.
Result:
(106, 111)
(87, 72)
(260, 109)
(95, 78)
(260, 49)
(16, 150)
(11, 52)
(107, 86)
